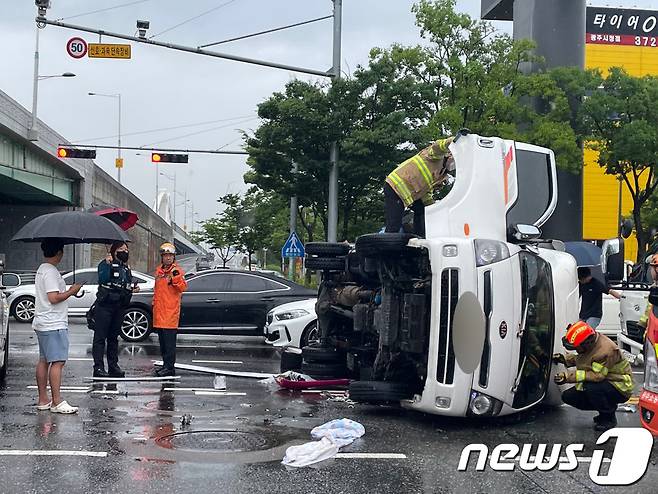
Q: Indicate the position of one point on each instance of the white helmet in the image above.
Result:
(167, 248)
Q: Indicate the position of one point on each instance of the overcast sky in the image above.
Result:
(163, 88)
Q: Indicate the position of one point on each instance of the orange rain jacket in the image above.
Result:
(169, 288)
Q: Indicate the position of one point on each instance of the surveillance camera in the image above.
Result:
(43, 4)
(143, 24)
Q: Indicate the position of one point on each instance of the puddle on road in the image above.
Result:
(217, 441)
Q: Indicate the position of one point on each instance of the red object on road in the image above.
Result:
(299, 385)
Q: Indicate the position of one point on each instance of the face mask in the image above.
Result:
(122, 256)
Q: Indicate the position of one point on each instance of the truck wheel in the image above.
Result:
(379, 391)
(321, 370)
(317, 354)
(325, 263)
(327, 249)
(379, 244)
(290, 361)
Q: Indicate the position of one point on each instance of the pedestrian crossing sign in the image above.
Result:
(293, 247)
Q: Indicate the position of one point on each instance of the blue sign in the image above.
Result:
(293, 247)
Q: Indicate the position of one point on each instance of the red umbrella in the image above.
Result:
(124, 218)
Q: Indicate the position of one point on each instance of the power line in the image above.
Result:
(267, 31)
(200, 132)
(193, 18)
(152, 131)
(160, 150)
(104, 10)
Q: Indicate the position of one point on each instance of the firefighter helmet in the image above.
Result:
(167, 248)
(577, 334)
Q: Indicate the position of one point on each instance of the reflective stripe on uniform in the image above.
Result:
(625, 386)
(424, 171)
(580, 376)
(599, 368)
(401, 188)
(579, 386)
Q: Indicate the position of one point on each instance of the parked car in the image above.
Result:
(294, 324)
(21, 299)
(203, 264)
(218, 301)
(4, 327)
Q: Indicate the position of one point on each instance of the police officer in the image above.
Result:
(114, 292)
(412, 183)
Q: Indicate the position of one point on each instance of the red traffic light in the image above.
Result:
(169, 158)
(66, 152)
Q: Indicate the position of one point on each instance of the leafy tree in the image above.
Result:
(622, 118)
(222, 235)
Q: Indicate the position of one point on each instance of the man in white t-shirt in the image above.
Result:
(51, 323)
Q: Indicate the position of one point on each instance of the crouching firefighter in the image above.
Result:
(115, 289)
(603, 377)
(411, 185)
(169, 287)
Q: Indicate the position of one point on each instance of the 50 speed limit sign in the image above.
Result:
(76, 47)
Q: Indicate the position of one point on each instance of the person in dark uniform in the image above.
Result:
(115, 288)
(591, 293)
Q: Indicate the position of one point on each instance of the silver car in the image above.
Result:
(21, 298)
(4, 328)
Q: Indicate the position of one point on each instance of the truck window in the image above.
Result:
(534, 364)
(535, 184)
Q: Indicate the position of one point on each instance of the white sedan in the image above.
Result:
(293, 324)
(21, 298)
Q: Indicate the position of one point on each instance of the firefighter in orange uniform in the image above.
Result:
(649, 397)
(169, 287)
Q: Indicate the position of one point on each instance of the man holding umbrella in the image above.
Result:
(51, 324)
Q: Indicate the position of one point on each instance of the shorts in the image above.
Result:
(53, 345)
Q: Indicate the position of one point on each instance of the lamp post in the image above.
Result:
(119, 161)
(33, 133)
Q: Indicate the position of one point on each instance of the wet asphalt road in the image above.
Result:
(136, 425)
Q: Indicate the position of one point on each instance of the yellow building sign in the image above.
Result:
(107, 50)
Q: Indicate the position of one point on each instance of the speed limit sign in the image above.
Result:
(76, 47)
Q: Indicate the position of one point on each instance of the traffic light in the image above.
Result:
(169, 158)
(63, 152)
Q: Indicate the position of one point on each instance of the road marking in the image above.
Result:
(63, 388)
(362, 456)
(217, 362)
(196, 346)
(49, 452)
(192, 389)
(638, 373)
(81, 359)
(218, 393)
(106, 392)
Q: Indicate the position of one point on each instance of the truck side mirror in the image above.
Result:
(520, 233)
(612, 259)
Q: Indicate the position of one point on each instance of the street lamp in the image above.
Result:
(119, 161)
(65, 74)
(33, 133)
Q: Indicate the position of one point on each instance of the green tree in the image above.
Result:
(622, 117)
(222, 235)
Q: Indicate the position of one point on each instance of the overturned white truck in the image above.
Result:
(464, 321)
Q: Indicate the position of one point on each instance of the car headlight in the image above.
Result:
(291, 314)
(482, 405)
(650, 368)
(490, 251)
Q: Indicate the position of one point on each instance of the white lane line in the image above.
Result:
(63, 388)
(217, 361)
(638, 373)
(106, 392)
(192, 389)
(362, 456)
(196, 346)
(81, 359)
(49, 452)
(218, 393)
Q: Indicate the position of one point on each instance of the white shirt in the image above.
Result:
(47, 316)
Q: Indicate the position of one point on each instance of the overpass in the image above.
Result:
(33, 181)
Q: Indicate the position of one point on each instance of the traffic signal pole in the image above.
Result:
(332, 218)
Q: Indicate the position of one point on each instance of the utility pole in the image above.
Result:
(293, 225)
(332, 218)
(33, 132)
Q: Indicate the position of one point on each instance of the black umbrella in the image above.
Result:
(585, 253)
(72, 227)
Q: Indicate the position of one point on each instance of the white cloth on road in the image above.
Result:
(332, 436)
(47, 316)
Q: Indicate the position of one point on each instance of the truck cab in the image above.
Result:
(464, 321)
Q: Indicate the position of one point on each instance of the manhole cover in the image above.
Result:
(217, 441)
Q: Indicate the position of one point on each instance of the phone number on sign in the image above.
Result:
(622, 39)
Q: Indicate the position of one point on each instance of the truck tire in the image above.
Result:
(382, 244)
(327, 249)
(321, 370)
(290, 361)
(325, 263)
(317, 354)
(379, 391)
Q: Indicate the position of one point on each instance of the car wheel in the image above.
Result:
(322, 354)
(5, 361)
(136, 325)
(325, 263)
(321, 370)
(311, 335)
(378, 391)
(23, 309)
(378, 244)
(326, 249)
